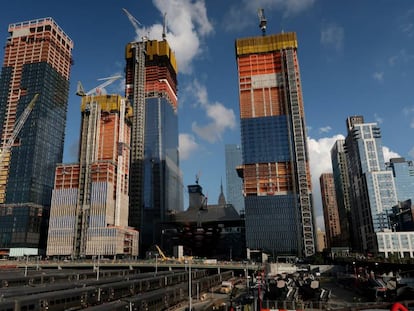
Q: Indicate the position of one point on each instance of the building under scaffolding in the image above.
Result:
(89, 212)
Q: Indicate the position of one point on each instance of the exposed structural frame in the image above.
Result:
(87, 157)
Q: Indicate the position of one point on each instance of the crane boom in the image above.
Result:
(135, 23)
(19, 125)
(80, 91)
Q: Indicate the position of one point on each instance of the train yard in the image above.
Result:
(114, 290)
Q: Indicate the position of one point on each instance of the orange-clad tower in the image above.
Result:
(89, 212)
(275, 171)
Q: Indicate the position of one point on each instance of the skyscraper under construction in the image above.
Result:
(155, 179)
(89, 212)
(37, 60)
(275, 171)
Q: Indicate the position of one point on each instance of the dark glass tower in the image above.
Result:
(38, 58)
(156, 181)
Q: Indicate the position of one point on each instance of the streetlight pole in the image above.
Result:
(189, 286)
(156, 264)
(25, 266)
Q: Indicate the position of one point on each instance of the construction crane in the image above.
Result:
(96, 90)
(135, 23)
(19, 125)
(262, 21)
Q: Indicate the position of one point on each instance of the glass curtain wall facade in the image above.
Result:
(156, 186)
(37, 60)
(403, 172)
(373, 191)
(275, 170)
(234, 184)
(341, 181)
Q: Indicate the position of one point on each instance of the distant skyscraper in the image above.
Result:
(234, 184)
(89, 212)
(276, 178)
(37, 59)
(330, 210)
(372, 187)
(403, 172)
(341, 181)
(156, 186)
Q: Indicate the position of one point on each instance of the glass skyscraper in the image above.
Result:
(403, 172)
(234, 184)
(341, 181)
(37, 60)
(373, 192)
(276, 177)
(156, 186)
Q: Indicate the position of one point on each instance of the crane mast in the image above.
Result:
(19, 125)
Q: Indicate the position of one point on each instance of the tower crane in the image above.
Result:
(262, 20)
(19, 125)
(135, 23)
(109, 80)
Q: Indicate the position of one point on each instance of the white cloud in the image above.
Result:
(325, 129)
(221, 118)
(378, 119)
(245, 14)
(379, 76)
(187, 24)
(388, 154)
(187, 145)
(333, 36)
(402, 57)
(320, 162)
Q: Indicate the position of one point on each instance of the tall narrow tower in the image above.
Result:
(330, 210)
(276, 178)
(37, 59)
(156, 180)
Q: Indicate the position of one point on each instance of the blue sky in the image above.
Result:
(356, 58)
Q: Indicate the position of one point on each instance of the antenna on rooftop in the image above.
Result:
(164, 27)
(262, 21)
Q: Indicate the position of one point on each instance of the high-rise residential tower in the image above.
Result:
(37, 60)
(234, 184)
(156, 186)
(330, 210)
(372, 187)
(341, 181)
(276, 177)
(89, 212)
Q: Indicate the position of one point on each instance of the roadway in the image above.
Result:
(35, 264)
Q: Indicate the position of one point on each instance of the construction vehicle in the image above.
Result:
(19, 125)
(161, 253)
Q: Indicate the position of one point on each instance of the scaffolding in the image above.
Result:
(301, 162)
